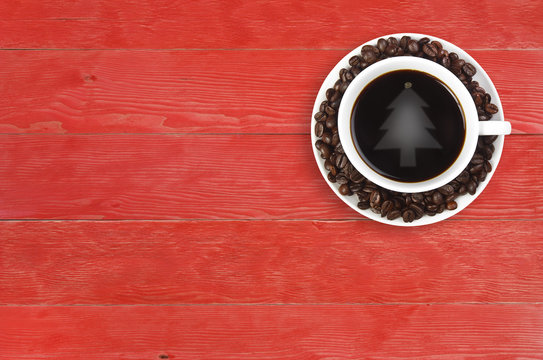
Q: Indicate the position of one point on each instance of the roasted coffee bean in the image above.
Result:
(491, 108)
(391, 50)
(450, 198)
(489, 139)
(329, 93)
(451, 205)
(482, 176)
(487, 99)
(371, 48)
(331, 178)
(469, 69)
(408, 216)
(339, 149)
(325, 151)
(363, 205)
(327, 137)
(484, 117)
(355, 188)
(341, 161)
(363, 196)
(477, 158)
(412, 46)
(471, 187)
(343, 87)
(356, 70)
(431, 207)
(333, 170)
(342, 179)
(437, 198)
(320, 116)
(356, 177)
(441, 207)
(446, 62)
(369, 57)
(487, 151)
(487, 166)
(331, 122)
(375, 198)
(455, 184)
(386, 207)
(417, 197)
(393, 41)
(404, 42)
(442, 53)
(437, 44)
(429, 49)
(453, 56)
(319, 129)
(456, 70)
(462, 190)
(446, 190)
(458, 63)
(476, 169)
(330, 110)
(335, 105)
(335, 139)
(355, 60)
(318, 144)
(423, 41)
(382, 45)
(419, 211)
(394, 214)
(344, 190)
(328, 164)
(463, 177)
(478, 99)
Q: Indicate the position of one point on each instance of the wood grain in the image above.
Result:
(212, 177)
(205, 91)
(278, 262)
(273, 332)
(263, 24)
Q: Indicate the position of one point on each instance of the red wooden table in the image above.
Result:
(160, 199)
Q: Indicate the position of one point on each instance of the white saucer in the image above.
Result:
(462, 201)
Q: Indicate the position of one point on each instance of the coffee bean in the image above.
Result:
(451, 205)
(419, 211)
(320, 116)
(369, 57)
(327, 137)
(331, 178)
(412, 47)
(357, 177)
(487, 99)
(343, 87)
(437, 198)
(482, 176)
(355, 60)
(446, 62)
(437, 44)
(394, 214)
(342, 179)
(417, 197)
(386, 207)
(489, 139)
(341, 161)
(391, 50)
(469, 69)
(429, 49)
(331, 122)
(471, 187)
(344, 190)
(355, 188)
(319, 129)
(330, 110)
(371, 48)
(477, 159)
(491, 108)
(325, 151)
(450, 198)
(487, 151)
(446, 190)
(463, 177)
(382, 45)
(431, 207)
(476, 169)
(393, 41)
(335, 139)
(404, 41)
(408, 216)
(375, 198)
(363, 205)
(423, 41)
(453, 56)
(441, 207)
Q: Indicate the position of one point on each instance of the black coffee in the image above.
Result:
(408, 126)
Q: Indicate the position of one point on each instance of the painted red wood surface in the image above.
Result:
(459, 331)
(199, 112)
(165, 262)
(264, 24)
(206, 91)
(213, 177)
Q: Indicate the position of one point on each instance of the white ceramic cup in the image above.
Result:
(473, 127)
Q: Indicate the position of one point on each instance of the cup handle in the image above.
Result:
(494, 127)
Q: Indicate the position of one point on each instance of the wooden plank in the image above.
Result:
(212, 177)
(205, 91)
(263, 24)
(184, 262)
(273, 332)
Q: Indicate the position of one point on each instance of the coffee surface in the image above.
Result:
(408, 126)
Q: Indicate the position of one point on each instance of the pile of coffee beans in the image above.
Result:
(387, 203)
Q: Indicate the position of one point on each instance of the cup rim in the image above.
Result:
(458, 89)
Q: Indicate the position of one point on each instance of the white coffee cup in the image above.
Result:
(473, 127)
